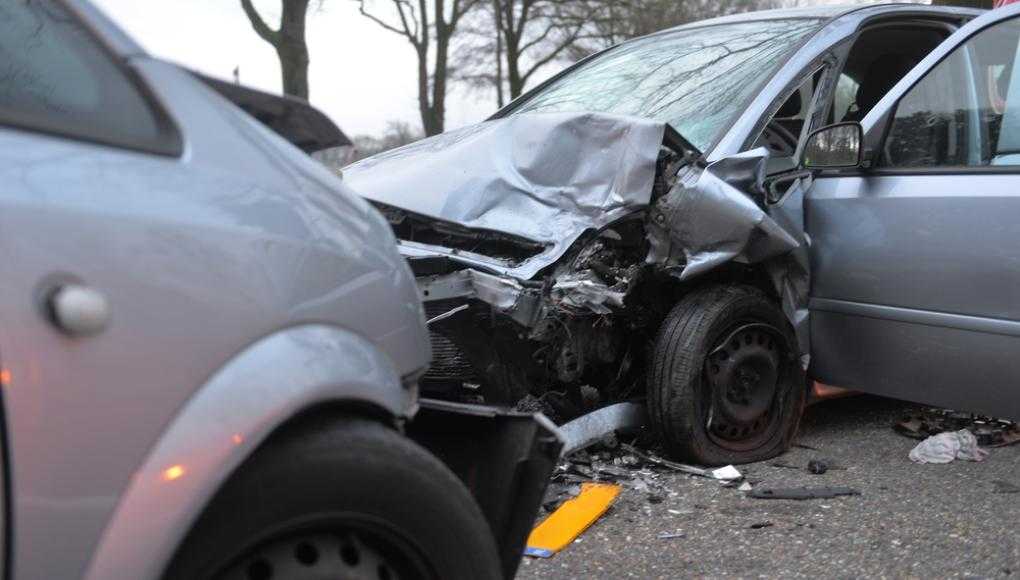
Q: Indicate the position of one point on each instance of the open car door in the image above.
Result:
(915, 261)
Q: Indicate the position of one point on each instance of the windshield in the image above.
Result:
(696, 80)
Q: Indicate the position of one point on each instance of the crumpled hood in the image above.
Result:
(546, 177)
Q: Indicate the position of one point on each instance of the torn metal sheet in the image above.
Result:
(585, 290)
(545, 177)
(724, 215)
(506, 295)
(594, 426)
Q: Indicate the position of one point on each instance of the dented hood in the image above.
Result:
(546, 177)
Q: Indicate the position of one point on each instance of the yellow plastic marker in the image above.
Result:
(570, 519)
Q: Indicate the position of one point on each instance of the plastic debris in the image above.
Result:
(589, 429)
(745, 486)
(817, 466)
(565, 524)
(945, 447)
(671, 535)
(727, 473)
(801, 493)
(930, 421)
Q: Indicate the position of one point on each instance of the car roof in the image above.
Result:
(830, 12)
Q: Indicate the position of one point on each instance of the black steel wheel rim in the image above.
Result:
(742, 376)
(342, 550)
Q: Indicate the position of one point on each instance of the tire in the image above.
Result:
(713, 401)
(339, 498)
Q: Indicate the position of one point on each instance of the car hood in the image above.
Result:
(544, 177)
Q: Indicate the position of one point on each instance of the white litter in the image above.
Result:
(945, 447)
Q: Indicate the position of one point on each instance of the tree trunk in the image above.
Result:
(292, 48)
(498, 15)
(289, 42)
(513, 68)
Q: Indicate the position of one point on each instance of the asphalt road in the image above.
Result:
(919, 521)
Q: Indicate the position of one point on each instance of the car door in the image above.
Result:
(915, 268)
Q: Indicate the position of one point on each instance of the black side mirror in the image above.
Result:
(833, 147)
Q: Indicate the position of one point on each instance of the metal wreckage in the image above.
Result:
(550, 247)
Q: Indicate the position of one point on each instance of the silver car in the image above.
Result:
(210, 347)
(707, 216)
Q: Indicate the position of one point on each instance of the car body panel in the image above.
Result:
(546, 178)
(262, 387)
(914, 272)
(199, 257)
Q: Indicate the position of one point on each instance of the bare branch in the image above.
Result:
(261, 28)
(406, 31)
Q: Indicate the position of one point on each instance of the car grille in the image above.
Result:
(448, 362)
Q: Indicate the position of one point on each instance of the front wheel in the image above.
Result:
(725, 385)
(342, 498)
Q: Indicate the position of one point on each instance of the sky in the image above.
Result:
(360, 75)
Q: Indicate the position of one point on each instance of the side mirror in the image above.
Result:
(832, 147)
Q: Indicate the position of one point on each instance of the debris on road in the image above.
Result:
(671, 535)
(598, 425)
(817, 466)
(801, 493)
(1005, 487)
(990, 432)
(760, 525)
(945, 447)
(727, 473)
(574, 516)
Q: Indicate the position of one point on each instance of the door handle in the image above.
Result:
(78, 310)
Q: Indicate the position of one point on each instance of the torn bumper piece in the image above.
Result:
(593, 427)
(508, 296)
(504, 458)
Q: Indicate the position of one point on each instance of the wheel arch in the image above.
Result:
(275, 383)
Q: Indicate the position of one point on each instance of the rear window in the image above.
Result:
(55, 78)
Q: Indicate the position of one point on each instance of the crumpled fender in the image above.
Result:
(723, 214)
(260, 388)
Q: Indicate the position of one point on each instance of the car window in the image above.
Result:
(696, 79)
(54, 77)
(965, 111)
(846, 95)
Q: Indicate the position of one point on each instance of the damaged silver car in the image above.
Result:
(635, 226)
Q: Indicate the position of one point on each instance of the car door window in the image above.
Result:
(965, 112)
(55, 78)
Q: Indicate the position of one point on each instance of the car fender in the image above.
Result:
(258, 390)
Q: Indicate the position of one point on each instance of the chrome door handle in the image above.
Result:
(78, 310)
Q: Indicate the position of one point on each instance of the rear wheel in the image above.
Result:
(724, 385)
(346, 498)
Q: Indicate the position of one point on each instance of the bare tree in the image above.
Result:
(397, 134)
(427, 25)
(289, 42)
(614, 21)
(537, 33)
(510, 40)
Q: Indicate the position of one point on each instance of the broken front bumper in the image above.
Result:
(504, 458)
